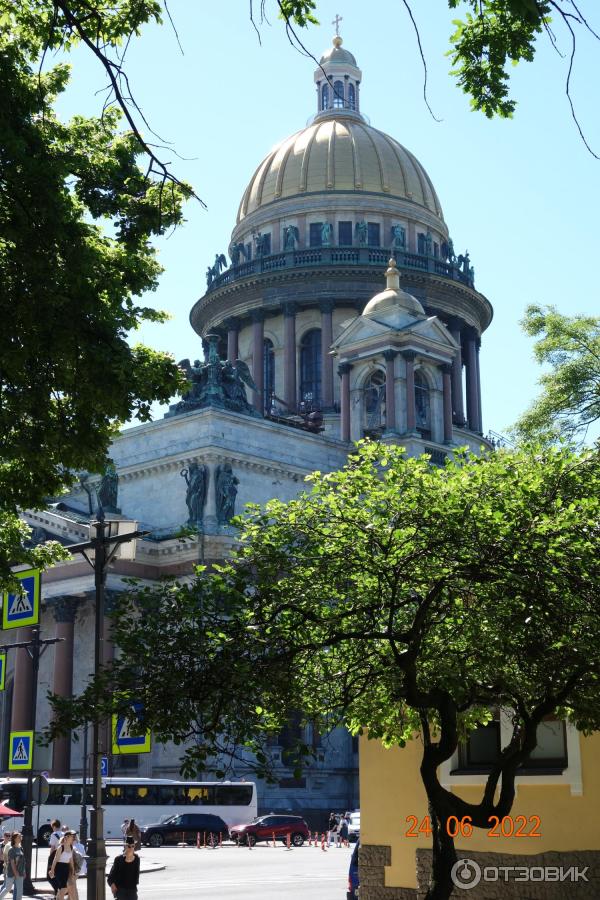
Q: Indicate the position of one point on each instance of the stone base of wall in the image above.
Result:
(373, 859)
(507, 888)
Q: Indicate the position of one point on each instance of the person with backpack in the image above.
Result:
(124, 875)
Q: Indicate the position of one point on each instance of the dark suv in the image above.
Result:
(185, 828)
(266, 828)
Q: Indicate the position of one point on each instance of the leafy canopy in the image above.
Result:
(77, 219)
(569, 346)
(402, 590)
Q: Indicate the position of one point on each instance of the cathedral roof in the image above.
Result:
(339, 152)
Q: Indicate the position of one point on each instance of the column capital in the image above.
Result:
(231, 324)
(344, 368)
(257, 315)
(64, 608)
(446, 369)
(327, 306)
(289, 308)
(471, 333)
(390, 355)
(409, 355)
(454, 323)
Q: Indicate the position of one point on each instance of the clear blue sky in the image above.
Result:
(522, 195)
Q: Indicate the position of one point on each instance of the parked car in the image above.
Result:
(354, 826)
(186, 828)
(352, 892)
(266, 827)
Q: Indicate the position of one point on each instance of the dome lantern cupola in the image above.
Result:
(338, 80)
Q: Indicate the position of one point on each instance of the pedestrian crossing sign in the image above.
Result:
(2, 670)
(127, 734)
(20, 754)
(23, 608)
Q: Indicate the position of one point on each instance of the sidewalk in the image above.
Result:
(113, 849)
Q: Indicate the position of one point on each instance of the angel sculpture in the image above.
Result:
(234, 378)
(220, 263)
(196, 376)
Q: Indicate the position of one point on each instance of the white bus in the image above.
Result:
(147, 800)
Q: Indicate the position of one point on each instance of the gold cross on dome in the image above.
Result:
(336, 22)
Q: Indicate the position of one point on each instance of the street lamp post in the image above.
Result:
(35, 648)
(83, 824)
(99, 552)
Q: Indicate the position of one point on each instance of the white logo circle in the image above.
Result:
(465, 874)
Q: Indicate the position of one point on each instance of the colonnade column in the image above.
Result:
(327, 307)
(458, 407)
(411, 412)
(21, 717)
(478, 348)
(233, 330)
(258, 357)
(289, 356)
(344, 372)
(65, 611)
(472, 393)
(447, 398)
(390, 389)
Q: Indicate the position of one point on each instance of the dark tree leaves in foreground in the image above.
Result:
(78, 214)
(416, 598)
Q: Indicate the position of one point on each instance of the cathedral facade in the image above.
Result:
(343, 311)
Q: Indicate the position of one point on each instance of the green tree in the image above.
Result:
(417, 598)
(78, 215)
(569, 402)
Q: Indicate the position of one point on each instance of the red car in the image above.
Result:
(266, 827)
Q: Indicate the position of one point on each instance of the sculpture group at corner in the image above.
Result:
(216, 382)
(197, 478)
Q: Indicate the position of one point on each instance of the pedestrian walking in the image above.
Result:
(63, 868)
(124, 875)
(15, 869)
(53, 842)
(79, 848)
(331, 828)
(4, 846)
(133, 831)
(343, 829)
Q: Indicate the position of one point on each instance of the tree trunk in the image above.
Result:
(444, 857)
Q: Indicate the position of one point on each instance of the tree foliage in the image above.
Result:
(569, 402)
(78, 215)
(416, 598)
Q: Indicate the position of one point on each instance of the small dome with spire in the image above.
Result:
(337, 54)
(393, 299)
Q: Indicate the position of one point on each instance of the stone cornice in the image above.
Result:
(357, 283)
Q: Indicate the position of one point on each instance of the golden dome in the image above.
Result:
(339, 151)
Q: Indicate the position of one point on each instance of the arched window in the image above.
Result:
(268, 374)
(422, 404)
(374, 401)
(325, 97)
(310, 369)
(351, 97)
(338, 95)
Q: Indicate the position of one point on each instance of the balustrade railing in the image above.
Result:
(341, 256)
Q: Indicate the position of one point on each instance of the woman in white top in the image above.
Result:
(62, 868)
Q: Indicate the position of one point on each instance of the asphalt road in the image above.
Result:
(237, 873)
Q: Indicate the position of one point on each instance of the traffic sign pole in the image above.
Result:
(35, 648)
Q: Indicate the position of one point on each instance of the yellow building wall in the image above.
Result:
(391, 789)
